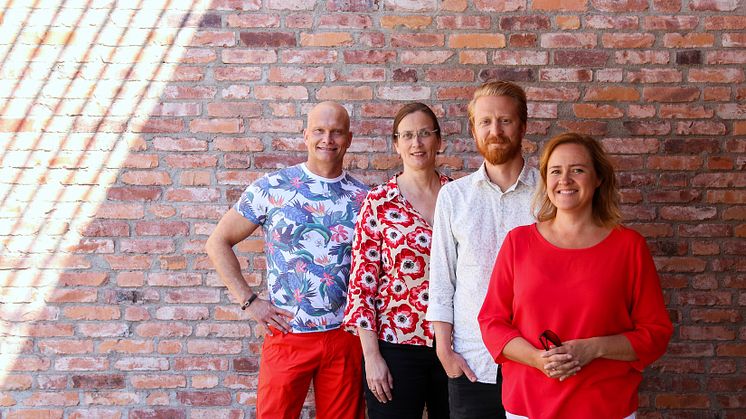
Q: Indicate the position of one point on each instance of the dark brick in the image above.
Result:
(268, 39)
(691, 146)
(210, 21)
(246, 364)
(510, 74)
(405, 75)
(524, 23)
(581, 58)
(98, 381)
(693, 57)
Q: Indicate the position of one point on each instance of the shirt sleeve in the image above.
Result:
(366, 271)
(495, 317)
(254, 201)
(443, 260)
(652, 324)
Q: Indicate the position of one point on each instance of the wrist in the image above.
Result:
(247, 303)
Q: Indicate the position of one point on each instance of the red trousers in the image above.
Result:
(333, 360)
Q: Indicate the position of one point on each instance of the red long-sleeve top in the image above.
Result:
(608, 289)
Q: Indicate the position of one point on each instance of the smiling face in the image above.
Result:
(571, 178)
(327, 138)
(498, 129)
(419, 151)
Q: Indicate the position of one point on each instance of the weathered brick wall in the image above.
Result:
(128, 128)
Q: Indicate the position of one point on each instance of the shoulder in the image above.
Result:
(354, 182)
(628, 235)
(459, 185)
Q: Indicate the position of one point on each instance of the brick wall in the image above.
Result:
(128, 128)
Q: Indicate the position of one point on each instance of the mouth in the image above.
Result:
(418, 154)
(567, 192)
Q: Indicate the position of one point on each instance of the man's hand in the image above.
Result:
(455, 365)
(269, 316)
(379, 378)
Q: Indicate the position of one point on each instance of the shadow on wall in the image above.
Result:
(81, 85)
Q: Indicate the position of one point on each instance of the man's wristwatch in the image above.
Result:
(248, 302)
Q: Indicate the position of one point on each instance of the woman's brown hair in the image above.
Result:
(605, 205)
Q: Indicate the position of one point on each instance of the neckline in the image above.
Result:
(535, 229)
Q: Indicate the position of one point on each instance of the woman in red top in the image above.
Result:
(388, 290)
(575, 309)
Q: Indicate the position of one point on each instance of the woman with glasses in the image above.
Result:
(574, 311)
(388, 290)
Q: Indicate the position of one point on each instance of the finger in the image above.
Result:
(468, 372)
(279, 323)
(390, 380)
(283, 312)
(387, 393)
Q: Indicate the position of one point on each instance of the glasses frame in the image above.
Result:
(423, 133)
(546, 337)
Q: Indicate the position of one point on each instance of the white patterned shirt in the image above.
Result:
(472, 217)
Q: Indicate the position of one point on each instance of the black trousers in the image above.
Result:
(476, 400)
(419, 381)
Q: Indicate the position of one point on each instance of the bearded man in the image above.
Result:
(472, 217)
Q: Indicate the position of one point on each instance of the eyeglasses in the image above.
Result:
(548, 337)
(410, 135)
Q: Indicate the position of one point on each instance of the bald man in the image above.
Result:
(307, 214)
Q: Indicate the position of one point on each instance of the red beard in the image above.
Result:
(498, 156)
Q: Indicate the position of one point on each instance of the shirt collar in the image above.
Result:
(526, 176)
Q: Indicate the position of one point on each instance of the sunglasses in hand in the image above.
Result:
(548, 337)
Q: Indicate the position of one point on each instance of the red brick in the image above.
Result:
(731, 75)
(620, 6)
(726, 57)
(642, 57)
(568, 40)
(700, 128)
(296, 75)
(500, 5)
(204, 398)
(216, 125)
(213, 39)
(309, 57)
(522, 40)
(685, 112)
(253, 20)
(582, 110)
(612, 22)
(593, 128)
(654, 75)
(670, 23)
(327, 39)
(459, 22)
(713, 5)
(581, 58)
(404, 93)
(411, 22)
(513, 57)
(343, 93)
(627, 40)
(35, 414)
(476, 40)
(613, 94)
(91, 313)
(670, 94)
(446, 74)
(565, 75)
(267, 39)
(351, 21)
(157, 381)
(732, 111)
(647, 127)
(690, 40)
(667, 5)
(191, 161)
(417, 57)
(360, 75)
(724, 22)
(525, 23)
(248, 56)
(179, 144)
(420, 40)
(188, 92)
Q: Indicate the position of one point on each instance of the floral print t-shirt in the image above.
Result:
(389, 282)
(308, 223)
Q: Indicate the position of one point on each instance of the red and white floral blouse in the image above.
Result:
(388, 289)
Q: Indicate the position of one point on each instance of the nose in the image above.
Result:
(496, 129)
